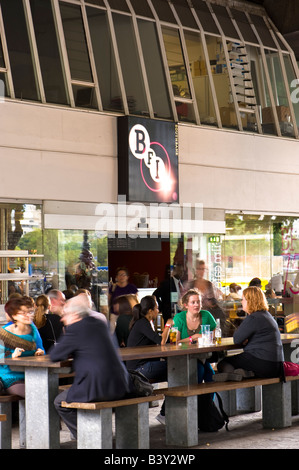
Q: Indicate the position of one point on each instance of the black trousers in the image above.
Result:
(68, 415)
(247, 361)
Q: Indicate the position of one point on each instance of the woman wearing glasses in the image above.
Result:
(19, 337)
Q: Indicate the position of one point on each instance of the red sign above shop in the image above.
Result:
(147, 160)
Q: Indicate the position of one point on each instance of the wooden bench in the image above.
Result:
(94, 423)
(6, 402)
(276, 404)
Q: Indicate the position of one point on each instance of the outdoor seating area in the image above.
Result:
(127, 423)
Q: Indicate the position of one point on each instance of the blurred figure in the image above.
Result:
(57, 301)
(234, 292)
(123, 305)
(255, 282)
(170, 291)
(120, 287)
(208, 297)
(48, 324)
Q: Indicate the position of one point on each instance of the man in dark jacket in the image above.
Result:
(99, 372)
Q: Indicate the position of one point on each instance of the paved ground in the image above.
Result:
(245, 432)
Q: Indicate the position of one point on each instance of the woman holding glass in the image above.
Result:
(190, 322)
(260, 338)
(19, 337)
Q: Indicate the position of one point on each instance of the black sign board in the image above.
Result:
(147, 160)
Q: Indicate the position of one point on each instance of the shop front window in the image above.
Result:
(77, 259)
(20, 231)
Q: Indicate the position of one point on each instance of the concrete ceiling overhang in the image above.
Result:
(285, 16)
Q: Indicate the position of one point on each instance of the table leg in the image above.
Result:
(181, 413)
(42, 420)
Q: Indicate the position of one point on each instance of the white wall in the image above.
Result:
(51, 153)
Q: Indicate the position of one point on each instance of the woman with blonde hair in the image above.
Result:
(259, 336)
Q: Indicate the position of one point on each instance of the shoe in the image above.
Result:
(225, 376)
(161, 419)
(246, 374)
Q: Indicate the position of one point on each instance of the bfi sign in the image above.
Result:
(148, 160)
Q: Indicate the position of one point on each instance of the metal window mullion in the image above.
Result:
(6, 56)
(34, 51)
(142, 63)
(230, 75)
(117, 59)
(165, 62)
(208, 66)
(63, 51)
(187, 66)
(266, 71)
(91, 57)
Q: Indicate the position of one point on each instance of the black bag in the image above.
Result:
(210, 418)
(142, 386)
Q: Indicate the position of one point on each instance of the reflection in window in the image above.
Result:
(19, 50)
(48, 51)
(200, 79)
(104, 60)
(293, 85)
(279, 93)
(178, 74)
(20, 229)
(75, 42)
(221, 81)
(154, 69)
(130, 64)
(176, 64)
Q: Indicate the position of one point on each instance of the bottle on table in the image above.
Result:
(218, 332)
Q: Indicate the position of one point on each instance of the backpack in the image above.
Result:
(210, 418)
(290, 368)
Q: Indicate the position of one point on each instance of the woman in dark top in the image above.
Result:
(142, 333)
(48, 324)
(260, 337)
(123, 305)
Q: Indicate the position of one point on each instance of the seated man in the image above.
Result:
(99, 373)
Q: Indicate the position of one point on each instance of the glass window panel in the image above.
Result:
(84, 97)
(263, 31)
(120, 5)
(19, 50)
(243, 24)
(185, 111)
(225, 21)
(280, 94)
(75, 42)
(163, 11)
(96, 2)
(104, 60)
(205, 16)
(176, 64)
(142, 8)
(2, 61)
(184, 13)
(293, 85)
(200, 79)
(267, 116)
(154, 69)
(4, 91)
(130, 64)
(48, 51)
(221, 82)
